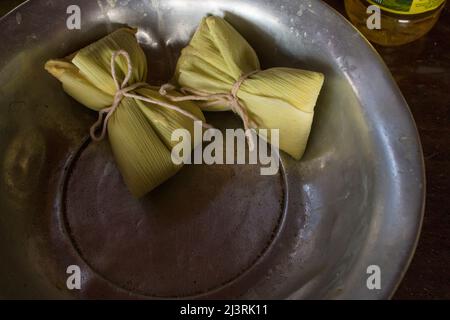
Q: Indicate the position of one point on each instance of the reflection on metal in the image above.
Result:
(354, 200)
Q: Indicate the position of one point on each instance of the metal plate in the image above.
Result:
(355, 199)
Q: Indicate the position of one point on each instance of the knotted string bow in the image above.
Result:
(123, 91)
(229, 99)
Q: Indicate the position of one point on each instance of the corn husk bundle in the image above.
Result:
(139, 132)
(276, 98)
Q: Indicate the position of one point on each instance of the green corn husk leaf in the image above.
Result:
(139, 132)
(276, 98)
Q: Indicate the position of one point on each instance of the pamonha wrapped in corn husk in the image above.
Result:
(139, 132)
(276, 98)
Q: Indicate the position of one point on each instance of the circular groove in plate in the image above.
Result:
(192, 235)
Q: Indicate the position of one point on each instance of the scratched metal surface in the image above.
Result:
(355, 199)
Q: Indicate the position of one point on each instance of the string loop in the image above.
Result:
(213, 99)
(123, 90)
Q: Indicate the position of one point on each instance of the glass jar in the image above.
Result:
(401, 21)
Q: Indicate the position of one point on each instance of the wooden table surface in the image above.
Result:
(422, 71)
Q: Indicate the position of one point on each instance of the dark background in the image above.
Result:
(422, 71)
